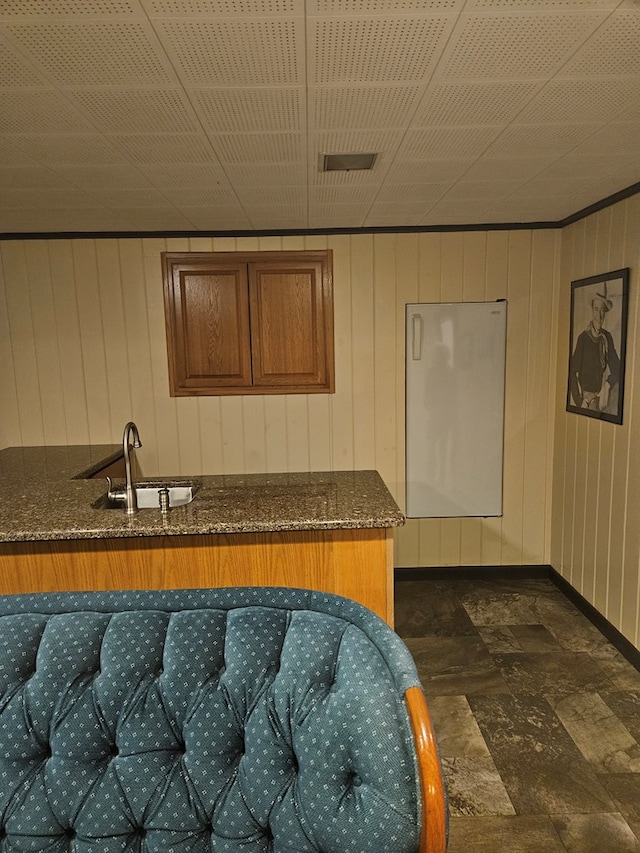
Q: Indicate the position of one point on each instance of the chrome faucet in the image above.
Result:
(127, 495)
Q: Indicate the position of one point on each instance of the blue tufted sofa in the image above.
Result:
(227, 720)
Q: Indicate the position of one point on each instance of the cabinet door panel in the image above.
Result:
(210, 329)
(287, 324)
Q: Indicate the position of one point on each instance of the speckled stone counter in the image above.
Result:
(328, 531)
(45, 494)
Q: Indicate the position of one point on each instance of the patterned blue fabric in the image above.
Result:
(229, 720)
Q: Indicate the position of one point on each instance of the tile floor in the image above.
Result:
(537, 716)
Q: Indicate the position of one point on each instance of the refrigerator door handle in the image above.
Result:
(416, 334)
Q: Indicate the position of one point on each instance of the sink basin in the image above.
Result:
(148, 495)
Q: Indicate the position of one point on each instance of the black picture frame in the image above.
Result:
(597, 345)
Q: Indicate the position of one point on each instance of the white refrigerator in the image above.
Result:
(455, 385)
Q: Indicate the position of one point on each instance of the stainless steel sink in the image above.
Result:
(181, 492)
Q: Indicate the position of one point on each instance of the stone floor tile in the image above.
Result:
(535, 638)
(599, 735)
(596, 833)
(504, 834)
(451, 666)
(626, 706)
(624, 789)
(554, 674)
(499, 639)
(540, 765)
(429, 611)
(491, 608)
(474, 787)
(456, 728)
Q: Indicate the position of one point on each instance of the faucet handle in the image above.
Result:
(117, 495)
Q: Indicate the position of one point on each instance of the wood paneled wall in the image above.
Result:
(596, 483)
(83, 350)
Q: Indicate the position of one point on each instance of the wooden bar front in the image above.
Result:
(355, 563)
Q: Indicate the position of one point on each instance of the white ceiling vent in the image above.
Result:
(348, 162)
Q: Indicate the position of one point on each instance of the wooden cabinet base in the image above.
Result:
(354, 563)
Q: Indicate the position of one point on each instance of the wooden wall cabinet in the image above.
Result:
(249, 322)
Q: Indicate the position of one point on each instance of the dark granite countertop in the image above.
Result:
(44, 496)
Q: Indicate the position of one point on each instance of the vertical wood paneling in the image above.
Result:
(21, 335)
(342, 421)
(73, 392)
(45, 341)
(10, 421)
(596, 485)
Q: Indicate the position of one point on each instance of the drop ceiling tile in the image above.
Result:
(508, 168)
(427, 171)
(216, 219)
(118, 199)
(447, 142)
(530, 139)
(155, 219)
(47, 197)
(200, 196)
(274, 218)
(338, 216)
(249, 51)
(91, 53)
(581, 101)
(16, 72)
(69, 8)
(335, 8)
(278, 197)
(531, 210)
(376, 49)
(616, 138)
(482, 190)
(103, 177)
(545, 187)
(61, 149)
(575, 165)
(184, 174)
(223, 8)
(394, 215)
(266, 174)
(342, 195)
(53, 221)
(355, 107)
(137, 111)
(31, 177)
(420, 194)
(250, 110)
(613, 50)
(515, 44)
(259, 147)
(39, 112)
(495, 102)
(150, 148)
(456, 212)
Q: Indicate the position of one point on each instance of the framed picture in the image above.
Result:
(598, 340)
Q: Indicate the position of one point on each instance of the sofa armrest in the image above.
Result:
(433, 836)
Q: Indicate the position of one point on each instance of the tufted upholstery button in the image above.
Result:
(356, 781)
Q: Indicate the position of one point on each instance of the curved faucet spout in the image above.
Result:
(130, 438)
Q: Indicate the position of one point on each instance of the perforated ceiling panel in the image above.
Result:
(217, 114)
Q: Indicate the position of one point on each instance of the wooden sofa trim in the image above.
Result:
(433, 835)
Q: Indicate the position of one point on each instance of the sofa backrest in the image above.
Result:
(229, 720)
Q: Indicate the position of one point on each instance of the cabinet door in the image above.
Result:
(249, 322)
(208, 327)
(289, 321)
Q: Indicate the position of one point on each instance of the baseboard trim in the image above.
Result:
(617, 639)
(448, 573)
(462, 573)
